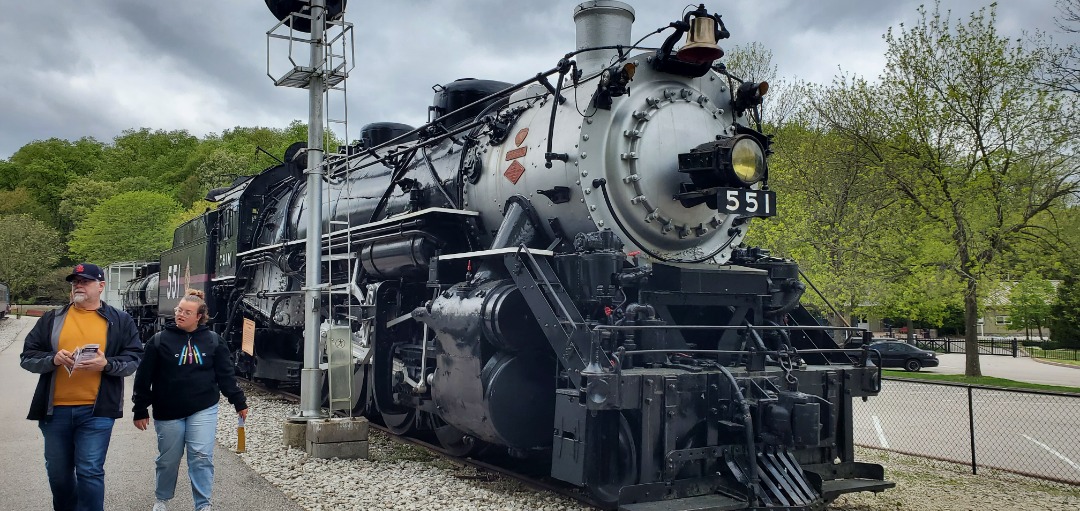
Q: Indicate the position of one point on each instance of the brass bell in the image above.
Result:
(700, 47)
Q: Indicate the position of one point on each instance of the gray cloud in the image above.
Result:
(98, 68)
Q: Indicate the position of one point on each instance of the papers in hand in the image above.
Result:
(82, 354)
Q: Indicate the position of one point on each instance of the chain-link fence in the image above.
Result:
(1027, 432)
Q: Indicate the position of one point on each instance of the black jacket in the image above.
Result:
(123, 350)
(178, 383)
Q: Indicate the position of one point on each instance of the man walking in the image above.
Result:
(81, 390)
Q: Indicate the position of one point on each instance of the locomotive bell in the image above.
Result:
(700, 47)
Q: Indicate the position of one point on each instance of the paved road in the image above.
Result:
(1019, 369)
(129, 468)
(1018, 431)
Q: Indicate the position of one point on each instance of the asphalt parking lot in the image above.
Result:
(1020, 369)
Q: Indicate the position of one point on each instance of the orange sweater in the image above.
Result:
(81, 387)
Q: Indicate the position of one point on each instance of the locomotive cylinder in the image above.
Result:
(507, 404)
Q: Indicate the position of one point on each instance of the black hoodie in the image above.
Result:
(180, 376)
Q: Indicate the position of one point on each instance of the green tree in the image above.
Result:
(1065, 314)
(158, 155)
(1064, 71)
(28, 250)
(80, 197)
(45, 167)
(9, 177)
(129, 226)
(219, 169)
(53, 288)
(196, 209)
(20, 201)
(972, 144)
(1029, 304)
(831, 216)
(134, 184)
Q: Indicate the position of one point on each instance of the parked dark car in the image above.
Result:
(900, 354)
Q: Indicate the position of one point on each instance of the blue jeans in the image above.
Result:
(75, 447)
(198, 432)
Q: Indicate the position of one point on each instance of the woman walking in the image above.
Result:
(184, 368)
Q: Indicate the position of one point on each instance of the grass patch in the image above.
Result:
(1058, 356)
(980, 380)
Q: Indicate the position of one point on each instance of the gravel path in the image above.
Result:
(11, 327)
(403, 477)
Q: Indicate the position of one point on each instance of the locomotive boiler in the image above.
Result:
(554, 269)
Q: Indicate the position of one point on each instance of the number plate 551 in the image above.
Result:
(747, 202)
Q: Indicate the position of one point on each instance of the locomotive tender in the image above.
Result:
(554, 269)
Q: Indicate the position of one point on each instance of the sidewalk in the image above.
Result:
(129, 468)
(1019, 369)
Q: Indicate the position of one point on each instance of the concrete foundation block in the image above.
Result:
(294, 434)
(342, 450)
(337, 430)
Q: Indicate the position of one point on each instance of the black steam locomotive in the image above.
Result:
(554, 269)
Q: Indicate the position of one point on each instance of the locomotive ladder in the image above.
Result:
(338, 49)
(559, 318)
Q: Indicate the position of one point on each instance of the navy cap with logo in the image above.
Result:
(86, 271)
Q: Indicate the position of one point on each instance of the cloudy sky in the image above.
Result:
(79, 68)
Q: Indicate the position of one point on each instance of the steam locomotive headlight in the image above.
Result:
(747, 160)
(729, 165)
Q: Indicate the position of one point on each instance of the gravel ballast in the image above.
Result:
(405, 477)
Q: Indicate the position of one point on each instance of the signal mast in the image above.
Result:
(319, 77)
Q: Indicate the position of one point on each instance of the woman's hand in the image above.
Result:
(243, 413)
(141, 424)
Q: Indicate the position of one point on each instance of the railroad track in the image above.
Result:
(555, 487)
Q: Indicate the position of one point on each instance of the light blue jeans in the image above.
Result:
(198, 432)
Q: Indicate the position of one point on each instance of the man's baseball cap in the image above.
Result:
(86, 271)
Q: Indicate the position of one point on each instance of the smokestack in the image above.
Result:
(601, 23)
